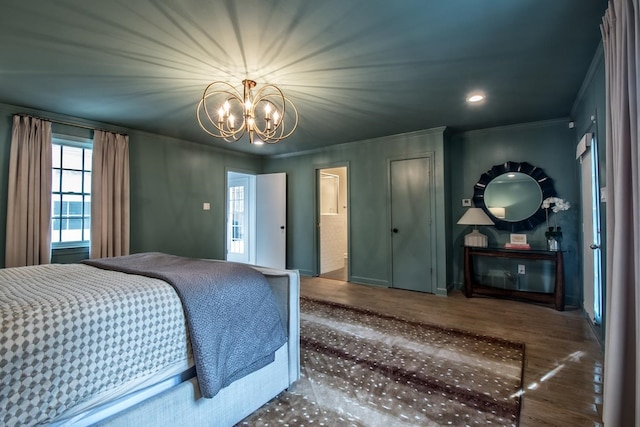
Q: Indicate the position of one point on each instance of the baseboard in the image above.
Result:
(597, 330)
(306, 272)
(369, 281)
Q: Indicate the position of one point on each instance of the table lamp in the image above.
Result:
(475, 217)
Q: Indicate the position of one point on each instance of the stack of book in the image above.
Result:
(517, 246)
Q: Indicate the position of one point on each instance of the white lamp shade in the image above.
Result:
(475, 216)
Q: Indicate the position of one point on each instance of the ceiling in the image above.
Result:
(355, 69)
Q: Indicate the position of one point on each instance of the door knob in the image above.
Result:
(395, 230)
(594, 246)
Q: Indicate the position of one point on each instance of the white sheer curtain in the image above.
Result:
(29, 193)
(110, 195)
(621, 42)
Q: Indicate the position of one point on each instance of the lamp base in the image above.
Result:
(476, 239)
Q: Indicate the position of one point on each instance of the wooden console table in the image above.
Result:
(472, 287)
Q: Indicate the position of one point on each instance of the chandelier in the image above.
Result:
(224, 113)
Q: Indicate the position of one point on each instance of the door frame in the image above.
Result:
(255, 228)
(588, 146)
(316, 214)
(430, 156)
(252, 216)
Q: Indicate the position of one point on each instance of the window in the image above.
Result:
(237, 214)
(71, 192)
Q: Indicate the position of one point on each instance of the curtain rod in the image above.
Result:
(60, 122)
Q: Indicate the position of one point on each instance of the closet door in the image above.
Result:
(411, 224)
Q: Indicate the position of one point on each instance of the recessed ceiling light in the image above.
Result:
(474, 98)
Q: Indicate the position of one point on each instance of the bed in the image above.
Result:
(101, 345)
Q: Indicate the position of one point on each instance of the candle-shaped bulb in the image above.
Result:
(276, 117)
(226, 107)
(231, 121)
(267, 109)
(221, 115)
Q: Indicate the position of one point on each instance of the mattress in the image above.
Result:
(73, 336)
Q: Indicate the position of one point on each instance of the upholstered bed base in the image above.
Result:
(183, 405)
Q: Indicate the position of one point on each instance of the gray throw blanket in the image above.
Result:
(231, 312)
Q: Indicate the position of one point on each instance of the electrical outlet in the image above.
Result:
(521, 269)
(466, 202)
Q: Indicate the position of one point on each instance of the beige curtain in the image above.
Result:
(29, 193)
(621, 40)
(110, 195)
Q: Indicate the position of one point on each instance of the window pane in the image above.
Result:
(72, 234)
(71, 157)
(87, 182)
(75, 208)
(87, 228)
(87, 206)
(55, 155)
(55, 206)
(71, 181)
(55, 180)
(71, 205)
(75, 224)
(87, 159)
(55, 233)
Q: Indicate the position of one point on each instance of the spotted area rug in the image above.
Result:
(360, 368)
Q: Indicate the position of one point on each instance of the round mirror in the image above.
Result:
(512, 194)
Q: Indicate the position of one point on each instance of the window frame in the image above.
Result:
(84, 144)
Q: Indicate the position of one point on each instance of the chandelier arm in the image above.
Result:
(231, 94)
(278, 132)
(279, 98)
(223, 133)
(272, 138)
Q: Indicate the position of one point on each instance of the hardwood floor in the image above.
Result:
(563, 360)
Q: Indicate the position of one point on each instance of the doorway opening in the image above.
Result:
(248, 240)
(241, 217)
(333, 223)
(593, 300)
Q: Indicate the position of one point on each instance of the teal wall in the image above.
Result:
(369, 234)
(549, 145)
(589, 110)
(170, 180)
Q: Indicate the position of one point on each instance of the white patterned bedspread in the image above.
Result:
(71, 333)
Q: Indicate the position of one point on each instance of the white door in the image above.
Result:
(591, 254)
(271, 220)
